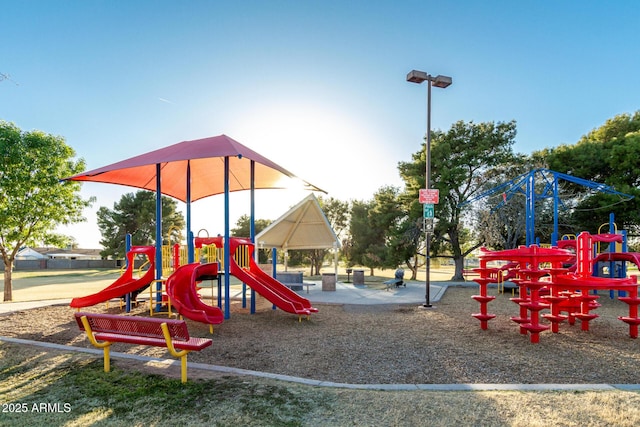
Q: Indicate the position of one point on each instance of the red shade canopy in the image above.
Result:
(206, 158)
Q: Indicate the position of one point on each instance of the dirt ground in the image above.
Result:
(383, 344)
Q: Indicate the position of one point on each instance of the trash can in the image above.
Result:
(358, 277)
(328, 282)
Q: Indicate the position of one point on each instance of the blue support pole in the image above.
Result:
(252, 232)
(190, 243)
(623, 248)
(127, 248)
(556, 199)
(612, 248)
(158, 238)
(612, 245)
(530, 209)
(623, 271)
(227, 249)
(274, 262)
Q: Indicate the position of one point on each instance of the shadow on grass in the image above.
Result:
(58, 388)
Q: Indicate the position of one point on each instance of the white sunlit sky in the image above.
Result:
(319, 87)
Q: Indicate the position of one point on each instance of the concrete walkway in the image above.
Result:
(348, 293)
(345, 293)
(10, 307)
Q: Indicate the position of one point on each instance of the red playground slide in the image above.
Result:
(274, 291)
(181, 288)
(124, 284)
(633, 257)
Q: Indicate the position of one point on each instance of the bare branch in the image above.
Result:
(4, 76)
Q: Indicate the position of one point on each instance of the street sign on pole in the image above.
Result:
(428, 225)
(429, 196)
(428, 210)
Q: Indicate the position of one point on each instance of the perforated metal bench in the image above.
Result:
(397, 281)
(394, 283)
(293, 280)
(105, 329)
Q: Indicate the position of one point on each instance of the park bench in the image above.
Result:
(393, 283)
(105, 329)
(293, 280)
(397, 281)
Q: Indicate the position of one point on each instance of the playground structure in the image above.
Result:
(545, 282)
(546, 187)
(274, 291)
(544, 276)
(181, 285)
(192, 170)
(125, 284)
(180, 290)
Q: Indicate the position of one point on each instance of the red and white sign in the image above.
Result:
(429, 196)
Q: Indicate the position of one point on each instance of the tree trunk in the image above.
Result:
(458, 256)
(414, 268)
(458, 275)
(8, 269)
(316, 258)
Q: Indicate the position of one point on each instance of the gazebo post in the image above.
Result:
(335, 258)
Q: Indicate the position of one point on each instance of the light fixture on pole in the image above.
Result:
(418, 77)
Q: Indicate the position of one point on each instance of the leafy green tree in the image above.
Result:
(459, 159)
(243, 226)
(33, 201)
(362, 237)
(500, 222)
(387, 218)
(405, 241)
(337, 213)
(243, 229)
(609, 154)
(372, 227)
(135, 214)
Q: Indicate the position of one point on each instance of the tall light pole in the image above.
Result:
(418, 77)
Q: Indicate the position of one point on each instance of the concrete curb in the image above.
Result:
(10, 307)
(317, 383)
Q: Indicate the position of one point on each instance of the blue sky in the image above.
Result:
(317, 86)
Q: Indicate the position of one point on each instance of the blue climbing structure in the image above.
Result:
(539, 184)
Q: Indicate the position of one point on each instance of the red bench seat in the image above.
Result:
(105, 329)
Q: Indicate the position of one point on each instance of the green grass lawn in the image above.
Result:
(56, 388)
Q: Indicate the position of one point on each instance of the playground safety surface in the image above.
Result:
(377, 339)
(345, 293)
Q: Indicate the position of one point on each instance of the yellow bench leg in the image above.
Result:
(107, 358)
(182, 354)
(103, 345)
(183, 368)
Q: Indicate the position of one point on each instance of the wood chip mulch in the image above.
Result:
(385, 344)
